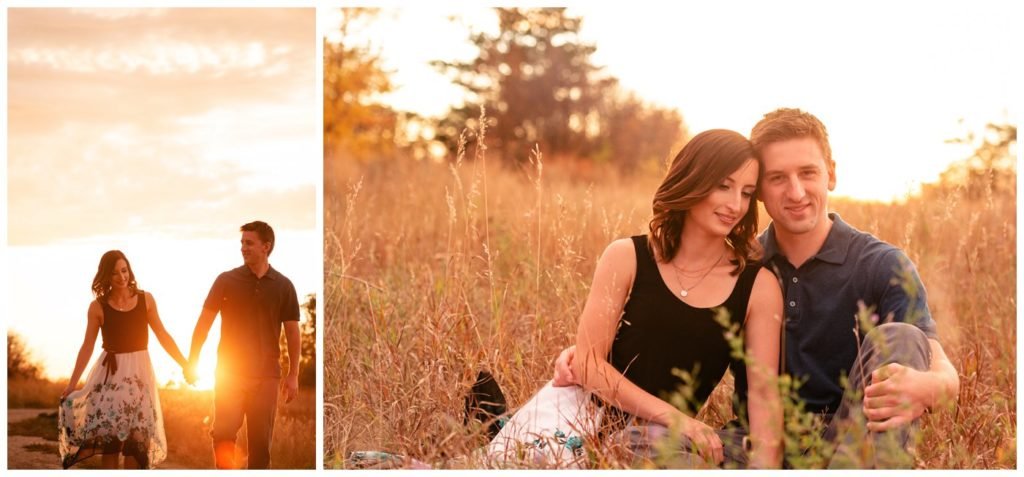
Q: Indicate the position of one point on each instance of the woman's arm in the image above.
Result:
(762, 331)
(613, 279)
(92, 328)
(153, 316)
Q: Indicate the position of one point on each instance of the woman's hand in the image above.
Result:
(563, 368)
(189, 371)
(704, 440)
(68, 390)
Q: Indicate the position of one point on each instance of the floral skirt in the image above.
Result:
(116, 412)
(549, 431)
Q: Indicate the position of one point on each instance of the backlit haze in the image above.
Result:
(157, 132)
(891, 80)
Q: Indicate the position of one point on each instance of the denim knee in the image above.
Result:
(898, 342)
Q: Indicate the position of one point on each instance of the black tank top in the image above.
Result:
(658, 332)
(125, 331)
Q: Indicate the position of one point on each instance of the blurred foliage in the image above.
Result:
(356, 125)
(307, 349)
(536, 79)
(20, 363)
(992, 169)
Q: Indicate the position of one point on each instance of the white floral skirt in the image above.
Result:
(116, 412)
(549, 431)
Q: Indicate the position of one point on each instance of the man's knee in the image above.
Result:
(898, 342)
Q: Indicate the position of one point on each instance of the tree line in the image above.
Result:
(537, 81)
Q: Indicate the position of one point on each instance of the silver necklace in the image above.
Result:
(685, 291)
(122, 309)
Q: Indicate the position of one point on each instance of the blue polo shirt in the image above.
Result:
(821, 305)
(252, 310)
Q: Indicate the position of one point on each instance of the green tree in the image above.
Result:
(537, 81)
(307, 350)
(539, 86)
(991, 169)
(637, 134)
(356, 125)
(20, 363)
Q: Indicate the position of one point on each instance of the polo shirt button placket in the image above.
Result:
(792, 313)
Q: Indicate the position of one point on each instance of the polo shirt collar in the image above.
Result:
(834, 250)
(271, 273)
(837, 244)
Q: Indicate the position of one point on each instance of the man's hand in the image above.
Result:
(289, 387)
(563, 368)
(191, 375)
(897, 395)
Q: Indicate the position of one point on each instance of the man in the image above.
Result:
(831, 272)
(254, 301)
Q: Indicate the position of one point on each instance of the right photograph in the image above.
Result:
(670, 237)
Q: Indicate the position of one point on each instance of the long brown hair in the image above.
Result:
(707, 160)
(101, 282)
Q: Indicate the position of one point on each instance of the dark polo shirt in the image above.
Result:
(821, 304)
(252, 311)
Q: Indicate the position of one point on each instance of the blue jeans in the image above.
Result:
(642, 440)
(855, 446)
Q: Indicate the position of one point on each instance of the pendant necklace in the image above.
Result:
(685, 291)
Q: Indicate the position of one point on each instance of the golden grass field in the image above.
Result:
(434, 271)
(187, 415)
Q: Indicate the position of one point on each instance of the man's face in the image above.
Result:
(795, 185)
(254, 250)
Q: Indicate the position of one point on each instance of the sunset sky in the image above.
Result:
(158, 132)
(891, 80)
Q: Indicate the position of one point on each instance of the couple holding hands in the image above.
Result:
(117, 411)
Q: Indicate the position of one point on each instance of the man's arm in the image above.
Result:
(199, 335)
(899, 394)
(290, 386)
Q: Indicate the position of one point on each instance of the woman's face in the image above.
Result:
(719, 212)
(120, 277)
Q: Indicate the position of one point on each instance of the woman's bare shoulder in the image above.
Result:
(766, 288)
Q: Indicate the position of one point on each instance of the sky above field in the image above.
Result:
(891, 80)
(158, 132)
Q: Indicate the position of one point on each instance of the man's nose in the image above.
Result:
(795, 189)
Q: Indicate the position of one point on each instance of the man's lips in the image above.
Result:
(797, 209)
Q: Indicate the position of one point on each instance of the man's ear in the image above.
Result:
(832, 175)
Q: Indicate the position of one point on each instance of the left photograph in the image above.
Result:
(163, 246)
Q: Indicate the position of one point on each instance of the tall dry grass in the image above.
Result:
(424, 288)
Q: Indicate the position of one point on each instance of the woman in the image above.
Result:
(118, 410)
(652, 309)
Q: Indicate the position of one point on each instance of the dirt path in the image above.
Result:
(30, 452)
(24, 452)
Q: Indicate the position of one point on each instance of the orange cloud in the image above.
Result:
(164, 120)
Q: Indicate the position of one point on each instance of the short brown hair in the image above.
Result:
(703, 163)
(791, 123)
(263, 230)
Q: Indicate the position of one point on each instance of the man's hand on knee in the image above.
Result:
(563, 368)
(896, 396)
